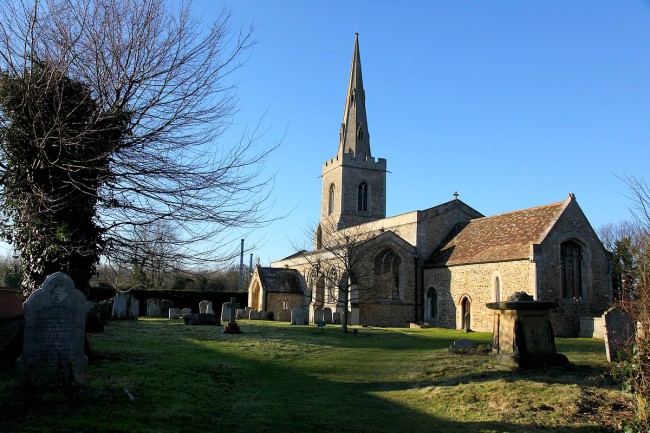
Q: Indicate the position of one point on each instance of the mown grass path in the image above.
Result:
(162, 376)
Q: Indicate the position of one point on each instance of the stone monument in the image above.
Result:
(619, 334)
(53, 343)
(232, 327)
(205, 307)
(523, 336)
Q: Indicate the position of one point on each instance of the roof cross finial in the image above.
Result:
(455, 194)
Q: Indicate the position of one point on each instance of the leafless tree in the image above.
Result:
(163, 83)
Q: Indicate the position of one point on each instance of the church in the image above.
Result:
(438, 266)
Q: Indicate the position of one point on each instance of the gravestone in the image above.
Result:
(125, 306)
(241, 313)
(284, 316)
(336, 318)
(619, 334)
(251, 314)
(461, 344)
(327, 315)
(53, 343)
(205, 307)
(153, 307)
(186, 311)
(232, 327)
(318, 314)
(299, 316)
(165, 305)
(174, 313)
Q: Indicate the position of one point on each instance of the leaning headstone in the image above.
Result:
(205, 307)
(327, 315)
(153, 307)
(186, 311)
(53, 343)
(299, 316)
(174, 313)
(619, 333)
(165, 305)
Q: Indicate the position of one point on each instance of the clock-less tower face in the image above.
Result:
(354, 183)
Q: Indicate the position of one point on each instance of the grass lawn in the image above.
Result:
(156, 375)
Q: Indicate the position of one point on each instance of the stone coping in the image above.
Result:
(521, 305)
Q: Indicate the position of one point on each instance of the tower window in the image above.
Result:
(360, 133)
(330, 201)
(362, 197)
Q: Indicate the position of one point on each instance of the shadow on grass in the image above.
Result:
(184, 378)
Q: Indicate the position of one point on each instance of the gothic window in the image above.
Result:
(497, 289)
(387, 270)
(362, 197)
(332, 284)
(330, 201)
(360, 133)
(285, 304)
(432, 305)
(571, 269)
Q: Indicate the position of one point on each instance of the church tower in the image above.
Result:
(354, 183)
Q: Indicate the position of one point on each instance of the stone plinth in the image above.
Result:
(523, 336)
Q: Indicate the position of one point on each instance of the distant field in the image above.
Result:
(155, 375)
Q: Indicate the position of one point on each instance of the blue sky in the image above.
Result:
(512, 104)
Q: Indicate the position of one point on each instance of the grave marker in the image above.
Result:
(232, 327)
(619, 332)
(53, 343)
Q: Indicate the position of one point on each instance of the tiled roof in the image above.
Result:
(498, 238)
(281, 280)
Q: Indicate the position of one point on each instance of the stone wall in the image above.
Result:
(477, 283)
(390, 314)
(275, 301)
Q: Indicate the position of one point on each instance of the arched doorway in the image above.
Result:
(466, 313)
(432, 306)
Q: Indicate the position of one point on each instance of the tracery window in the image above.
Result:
(362, 197)
(571, 259)
(387, 269)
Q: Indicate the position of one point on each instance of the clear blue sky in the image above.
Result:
(512, 104)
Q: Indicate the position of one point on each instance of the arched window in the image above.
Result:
(332, 284)
(330, 201)
(466, 313)
(432, 305)
(571, 269)
(387, 270)
(360, 133)
(362, 197)
(497, 289)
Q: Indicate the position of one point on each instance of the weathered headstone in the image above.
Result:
(461, 344)
(153, 307)
(299, 316)
(327, 315)
(318, 314)
(284, 316)
(241, 313)
(186, 311)
(174, 313)
(125, 306)
(252, 314)
(53, 343)
(619, 334)
(165, 305)
(205, 307)
(227, 313)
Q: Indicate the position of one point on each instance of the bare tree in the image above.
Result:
(154, 94)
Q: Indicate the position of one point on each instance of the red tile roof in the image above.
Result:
(497, 238)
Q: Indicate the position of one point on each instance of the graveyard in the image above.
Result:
(165, 376)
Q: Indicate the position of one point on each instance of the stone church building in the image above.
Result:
(439, 265)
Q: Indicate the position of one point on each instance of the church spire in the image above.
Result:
(354, 135)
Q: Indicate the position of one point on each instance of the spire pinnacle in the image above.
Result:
(354, 136)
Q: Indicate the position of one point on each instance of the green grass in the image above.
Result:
(280, 378)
